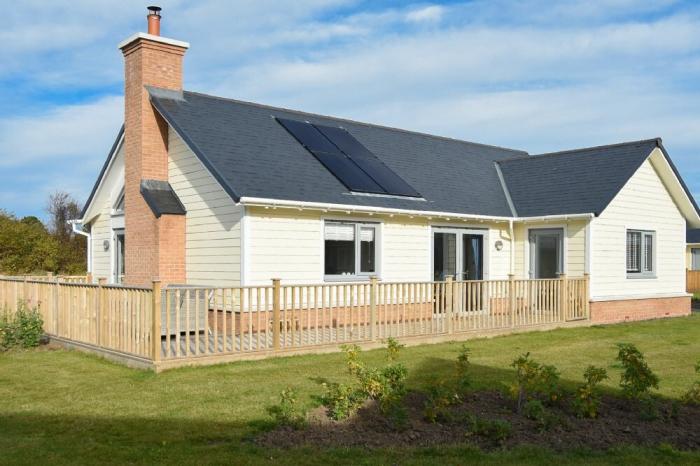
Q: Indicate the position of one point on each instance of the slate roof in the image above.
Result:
(692, 236)
(161, 198)
(572, 182)
(251, 155)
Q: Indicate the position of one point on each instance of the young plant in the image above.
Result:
(438, 401)
(463, 363)
(23, 329)
(497, 430)
(352, 356)
(532, 379)
(341, 401)
(637, 378)
(692, 396)
(393, 348)
(587, 398)
(287, 411)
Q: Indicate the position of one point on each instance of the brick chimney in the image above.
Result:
(155, 246)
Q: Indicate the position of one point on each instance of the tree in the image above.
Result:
(61, 208)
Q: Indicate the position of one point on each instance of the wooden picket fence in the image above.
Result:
(692, 281)
(114, 318)
(208, 324)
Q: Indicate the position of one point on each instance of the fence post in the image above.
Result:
(586, 294)
(450, 304)
(564, 297)
(101, 298)
(511, 300)
(276, 291)
(155, 321)
(88, 277)
(373, 289)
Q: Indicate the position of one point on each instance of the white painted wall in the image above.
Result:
(288, 244)
(99, 217)
(213, 221)
(643, 203)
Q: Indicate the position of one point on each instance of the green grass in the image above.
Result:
(68, 407)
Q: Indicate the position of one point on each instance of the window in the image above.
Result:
(119, 205)
(640, 253)
(350, 249)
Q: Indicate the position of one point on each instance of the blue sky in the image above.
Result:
(528, 74)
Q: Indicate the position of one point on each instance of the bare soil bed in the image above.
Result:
(620, 423)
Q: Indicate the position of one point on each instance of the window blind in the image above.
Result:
(339, 232)
(633, 251)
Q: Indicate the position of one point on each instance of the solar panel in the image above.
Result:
(335, 161)
(368, 162)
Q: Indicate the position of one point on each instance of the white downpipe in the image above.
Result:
(511, 232)
(74, 225)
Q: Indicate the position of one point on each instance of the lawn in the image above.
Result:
(66, 407)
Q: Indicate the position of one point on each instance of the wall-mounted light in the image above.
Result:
(105, 245)
(499, 245)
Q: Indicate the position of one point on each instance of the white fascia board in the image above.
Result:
(303, 205)
(112, 156)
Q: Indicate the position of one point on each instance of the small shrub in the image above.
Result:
(637, 378)
(352, 355)
(692, 396)
(533, 379)
(341, 401)
(438, 401)
(287, 412)
(587, 399)
(23, 329)
(535, 410)
(393, 348)
(498, 430)
(463, 363)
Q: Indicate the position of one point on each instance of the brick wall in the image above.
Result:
(155, 248)
(607, 312)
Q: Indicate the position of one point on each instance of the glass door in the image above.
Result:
(444, 255)
(546, 258)
(472, 257)
(459, 254)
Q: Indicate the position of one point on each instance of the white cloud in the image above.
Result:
(530, 74)
(428, 14)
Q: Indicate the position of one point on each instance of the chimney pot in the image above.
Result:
(154, 20)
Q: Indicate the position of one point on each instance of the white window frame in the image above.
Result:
(358, 275)
(644, 270)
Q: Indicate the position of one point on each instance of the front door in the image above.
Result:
(546, 258)
(458, 254)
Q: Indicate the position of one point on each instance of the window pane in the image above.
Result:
(444, 255)
(633, 251)
(648, 252)
(367, 249)
(339, 249)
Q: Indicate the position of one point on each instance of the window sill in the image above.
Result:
(347, 278)
(637, 276)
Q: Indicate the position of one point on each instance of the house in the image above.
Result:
(205, 190)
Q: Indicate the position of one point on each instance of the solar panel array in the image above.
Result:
(347, 159)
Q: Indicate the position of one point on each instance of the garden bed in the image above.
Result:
(621, 422)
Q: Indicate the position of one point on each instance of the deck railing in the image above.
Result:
(203, 321)
(195, 322)
(692, 281)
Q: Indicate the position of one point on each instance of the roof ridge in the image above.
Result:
(582, 149)
(348, 120)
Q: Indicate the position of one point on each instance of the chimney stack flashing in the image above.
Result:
(163, 40)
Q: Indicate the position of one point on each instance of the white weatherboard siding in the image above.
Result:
(213, 222)
(575, 244)
(288, 244)
(643, 203)
(101, 223)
